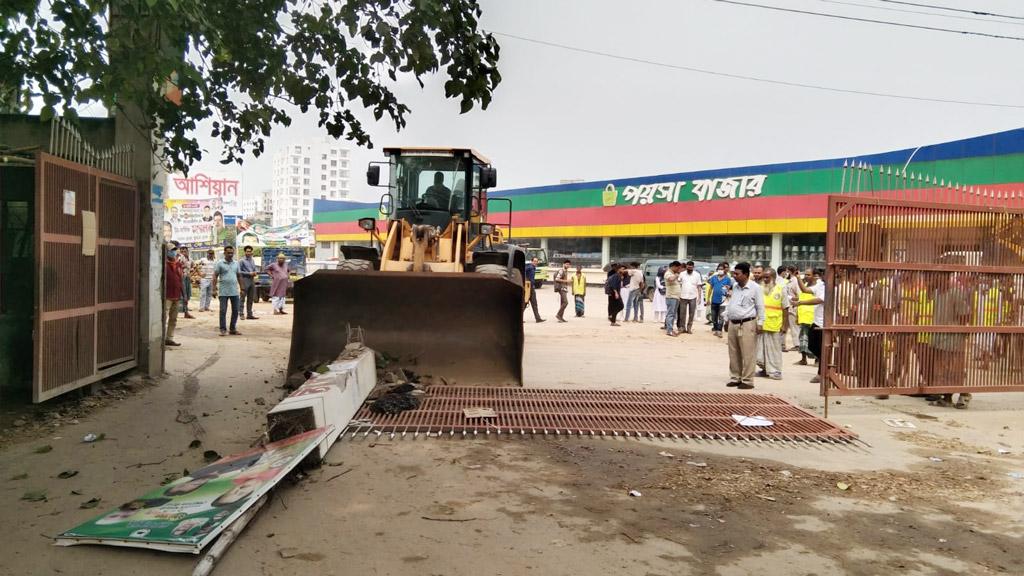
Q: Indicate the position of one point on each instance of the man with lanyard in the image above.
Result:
(531, 278)
(247, 269)
(769, 341)
(816, 291)
(746, 316)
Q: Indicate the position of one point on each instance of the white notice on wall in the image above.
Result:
(69, 202)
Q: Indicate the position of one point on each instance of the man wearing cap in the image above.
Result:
(172, 292)
(278, 271)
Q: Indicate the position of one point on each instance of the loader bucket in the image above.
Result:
(464, 327)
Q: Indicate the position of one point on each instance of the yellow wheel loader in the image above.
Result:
(436, 288)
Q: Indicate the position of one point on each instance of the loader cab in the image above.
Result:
(435, 186)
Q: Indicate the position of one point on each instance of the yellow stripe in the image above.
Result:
(780, 226)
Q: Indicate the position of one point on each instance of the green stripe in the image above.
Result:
(976, 171)
(969, 171)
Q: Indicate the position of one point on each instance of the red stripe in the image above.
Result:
(815, 206)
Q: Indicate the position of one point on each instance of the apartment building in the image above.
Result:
(304, 172)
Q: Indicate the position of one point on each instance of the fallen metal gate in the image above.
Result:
(86, 315)
(925, 290)
(533, 411)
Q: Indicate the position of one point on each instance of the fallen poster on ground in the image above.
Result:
(187, 514)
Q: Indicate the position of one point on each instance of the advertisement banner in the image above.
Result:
(298, 234)
(203, 183)
(187, 514)
(194, 221)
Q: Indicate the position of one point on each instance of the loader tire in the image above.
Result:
(501, 270)
(355, 265)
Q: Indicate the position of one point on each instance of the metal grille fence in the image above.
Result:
(924, 287)
(634, 414)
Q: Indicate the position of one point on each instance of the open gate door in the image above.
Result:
(924, 297)
(86, 307)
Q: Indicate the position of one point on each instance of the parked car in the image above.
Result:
(296, 260)
(650, 269)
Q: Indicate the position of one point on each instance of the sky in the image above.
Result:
(560, 114)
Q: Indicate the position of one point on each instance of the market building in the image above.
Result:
(769, 213)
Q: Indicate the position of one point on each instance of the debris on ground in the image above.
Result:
(666, 454)
(195, 444)
(479, 413)
(635, 493)
(67, 474)
(43, 449)
(34, 496)
(898, 423)
(752, 420)
(394, 403)
(842, 485)
(211, 456)
(90, 503)
(697, 464)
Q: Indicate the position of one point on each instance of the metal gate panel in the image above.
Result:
(923, 296)
(86, 321)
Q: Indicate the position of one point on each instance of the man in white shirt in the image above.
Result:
(690, 285)
(817, 290)
(206, 280)
(635, 302)
(745, 314)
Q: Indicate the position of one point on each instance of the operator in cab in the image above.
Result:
(438, 196)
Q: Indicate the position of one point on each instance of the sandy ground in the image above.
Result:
(534, 506)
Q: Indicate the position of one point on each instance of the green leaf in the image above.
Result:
(467, 105)
(46, 114)
(91, 503)
(21, 476)
(67, 474)
(43, 449)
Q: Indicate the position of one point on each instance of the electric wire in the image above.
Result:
(753, 78)
(871, 20)
(951, 9)
(935, 14)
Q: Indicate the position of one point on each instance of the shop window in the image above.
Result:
(640, 248)
(803, 250)
(581, 251)
(736, 248)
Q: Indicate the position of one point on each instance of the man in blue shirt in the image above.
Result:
(719, 285)
(531, 278)
(248, 272)
(228, 279)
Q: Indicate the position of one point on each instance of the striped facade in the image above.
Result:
(755, 202)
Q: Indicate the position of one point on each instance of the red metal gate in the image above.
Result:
(86, 316)
(924, 296)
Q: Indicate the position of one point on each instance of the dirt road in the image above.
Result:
(538, 506)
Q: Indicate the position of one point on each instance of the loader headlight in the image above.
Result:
(487, 229)
(368, 224)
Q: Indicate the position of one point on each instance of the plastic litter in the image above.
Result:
(89, 438)
(635, 493)
(935, 459)
(899, 423)
(666, 454)
(752, 420)
(842, 485)
(697, 464)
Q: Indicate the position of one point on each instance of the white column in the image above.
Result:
(683, 249)
(606, 251)
(776, 259)
(544, 244)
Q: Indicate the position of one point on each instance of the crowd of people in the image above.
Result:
(233, 282)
